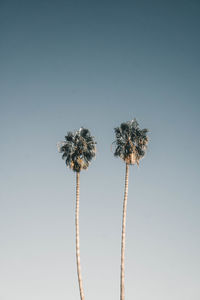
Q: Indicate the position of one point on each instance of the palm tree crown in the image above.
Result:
(131, 142)
(78, 149)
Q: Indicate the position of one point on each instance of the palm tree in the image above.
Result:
(130, 145)
(78, 150)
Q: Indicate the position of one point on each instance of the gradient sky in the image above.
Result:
(67, 64)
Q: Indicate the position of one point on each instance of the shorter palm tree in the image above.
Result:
(130, 145)
(78, 149)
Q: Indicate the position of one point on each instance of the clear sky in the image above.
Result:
(67, 64)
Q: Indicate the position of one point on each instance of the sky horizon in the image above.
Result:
(96, 64)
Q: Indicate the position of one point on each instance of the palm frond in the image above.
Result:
(78, 149)
(130, 141)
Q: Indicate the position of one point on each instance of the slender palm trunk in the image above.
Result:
(77, 238)
(122, 296)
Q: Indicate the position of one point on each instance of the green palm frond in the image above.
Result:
(130, 142)
(78, 149)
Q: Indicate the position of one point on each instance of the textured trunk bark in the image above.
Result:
(122, 296)
(77, 238)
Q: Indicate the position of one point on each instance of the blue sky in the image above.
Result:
(68, 64)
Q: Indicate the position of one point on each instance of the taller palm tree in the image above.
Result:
(130, 145)
(78, 149)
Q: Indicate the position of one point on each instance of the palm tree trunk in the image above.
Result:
(122, 296)
(77, 238)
